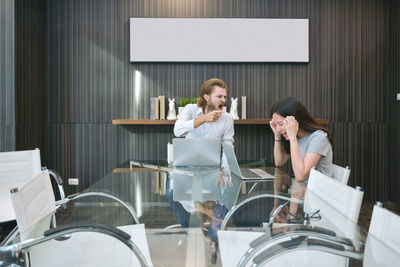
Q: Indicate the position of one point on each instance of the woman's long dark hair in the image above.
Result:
(292, 107)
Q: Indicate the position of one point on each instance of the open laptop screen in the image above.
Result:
(196, 152)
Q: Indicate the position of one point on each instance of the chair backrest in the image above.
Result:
(385, 226)
(341, 174)
(16, 169)
(383, 242)
(33, 202)
(343, 198)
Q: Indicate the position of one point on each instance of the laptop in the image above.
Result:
(196, 152)
(244, 173)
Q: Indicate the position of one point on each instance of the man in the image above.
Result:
(206, 119)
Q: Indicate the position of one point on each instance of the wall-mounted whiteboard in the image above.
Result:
(218, 40)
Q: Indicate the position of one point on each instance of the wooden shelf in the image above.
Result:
(166, 122)
(142, 122)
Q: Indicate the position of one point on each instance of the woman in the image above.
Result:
(300, 138)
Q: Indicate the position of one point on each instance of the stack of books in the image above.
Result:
(157, 108)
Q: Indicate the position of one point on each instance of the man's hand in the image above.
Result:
(213, 115)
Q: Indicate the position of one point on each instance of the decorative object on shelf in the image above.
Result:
(233, 112)
(171, 112)
(154, 112)
(162, 107)
(184, 101)
(243, 107)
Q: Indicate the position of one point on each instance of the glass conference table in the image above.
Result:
(190, 217)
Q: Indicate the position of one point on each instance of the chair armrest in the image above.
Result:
(298, 231)
(113, 231)
(251, 198)
(305, 243)
(275, 213)
(74, 228)
(111, 196)
(55, 175)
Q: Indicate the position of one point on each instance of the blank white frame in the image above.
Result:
(218, 40)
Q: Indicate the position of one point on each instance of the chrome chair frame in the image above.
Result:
(300, 231)
(251, 198)
(305, 243)
(16, 250)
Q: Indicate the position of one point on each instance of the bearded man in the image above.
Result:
(206, 119)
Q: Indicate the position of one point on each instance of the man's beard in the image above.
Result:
(211, 107)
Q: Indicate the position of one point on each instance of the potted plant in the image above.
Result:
(184, 101)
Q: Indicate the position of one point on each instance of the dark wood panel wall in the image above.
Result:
(88, 81)
(29, 75)
(393, 105)
(7, 111)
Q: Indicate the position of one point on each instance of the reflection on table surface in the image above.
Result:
(184, 210)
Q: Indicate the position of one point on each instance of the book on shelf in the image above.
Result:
(155, 182)
(154, 108)
(243, 107)
(163, 179)
(162, 107)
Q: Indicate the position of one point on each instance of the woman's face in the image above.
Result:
(278, 120)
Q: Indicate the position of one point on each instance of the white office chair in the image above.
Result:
(383, 242)
(16, 169)
(89, 244)
(343, 198)
(341, 174)
(322, 194)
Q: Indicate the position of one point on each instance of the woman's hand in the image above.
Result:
(274, 129)
(291, 126)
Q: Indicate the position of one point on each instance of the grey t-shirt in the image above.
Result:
(318, 142)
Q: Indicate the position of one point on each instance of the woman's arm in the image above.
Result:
(280, 155)
(301, 167)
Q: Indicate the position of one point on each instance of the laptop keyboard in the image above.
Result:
(246, 173)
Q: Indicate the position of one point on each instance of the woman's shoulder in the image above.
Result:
(319, 133)
(319, 136)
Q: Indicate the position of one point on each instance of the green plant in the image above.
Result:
(187, 100)
(183, 101)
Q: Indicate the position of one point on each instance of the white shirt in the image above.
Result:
(222, 129)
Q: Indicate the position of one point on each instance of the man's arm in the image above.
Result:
(212, 116)
(185, 122)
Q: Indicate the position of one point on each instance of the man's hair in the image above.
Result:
(207, 88)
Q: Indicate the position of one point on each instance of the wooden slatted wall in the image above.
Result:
(89, 81)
